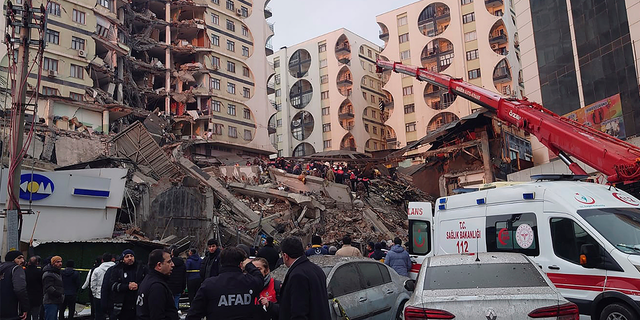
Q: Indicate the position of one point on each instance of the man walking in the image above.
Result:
(71, 284)
(398, 258)
(211, 264)
(155, 300)
(347, 250)
(193, 278)
(270, 253)
(178, 278)
(231, 294)
(304, 289)
(97, 278)
(33, 274)
(124, 281)
(14, 298)
(53, 288)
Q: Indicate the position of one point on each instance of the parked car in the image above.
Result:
(493, 286)
(365, 288)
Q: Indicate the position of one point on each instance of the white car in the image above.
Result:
(492, 286)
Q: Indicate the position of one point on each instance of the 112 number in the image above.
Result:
(463, 246)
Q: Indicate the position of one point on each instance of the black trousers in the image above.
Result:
(69, 302)
(192, 287)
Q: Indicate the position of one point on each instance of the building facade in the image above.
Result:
(326, 95)
(579, 53)
(200, 65)
(473, 40)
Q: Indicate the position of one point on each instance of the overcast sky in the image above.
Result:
(299, 20)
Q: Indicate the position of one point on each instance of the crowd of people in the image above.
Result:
(226, 284)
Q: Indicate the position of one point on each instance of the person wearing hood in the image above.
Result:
(193, 278)
(398, 258)
(155, 299)
(123, 282)
(178, 278)
(14, 303)
(71, 284)
(378, 254)
(211, 263)
(53, 288)
(97, 278)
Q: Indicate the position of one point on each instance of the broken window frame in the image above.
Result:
(49, 64)
(77, 43)
(231, 109)
(76, 71)
(79, 17)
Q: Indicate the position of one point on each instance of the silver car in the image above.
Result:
(492, 286)
(364, 288)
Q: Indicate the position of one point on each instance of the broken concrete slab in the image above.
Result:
(373, 218)
(257, 191)
(336, 191)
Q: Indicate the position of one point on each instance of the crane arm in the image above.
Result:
(618, 160)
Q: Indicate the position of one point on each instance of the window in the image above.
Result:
(324, 78)
(323, 63)
(480, 276)
(246, 72)
(233, 132)
(107, 4)
(76, 96)
(568, 238)
(231, 110)
(470, 36)
(215, 61)
(322, 47)
(402, 21)
(375, 145)
(215, 40)
(231, 25)
(325, 111)
(372, 274)
(419, 236)
(364, 95)
(50, 64)
(245, 11)
(245, 51)
(246, 92)
(279, 123)
(276, 63)
(326, 144)
(375, 130)
(372, 99)
(217, 128)
(277, 92)
(463, 2)
(473, 74)
(77, 43)
(369, 53)
(78, 16)
(404, 37)
(470, 17)
(344, 282)
(231, 87)
(410, 108)
(366, 127)
(215, 83)
(407, 91)
(218, 3)
(404, 55)
(231, 46)
(215, 19)
(230, 5)
(374, 114)
(410, 127)
(501, 231)
(246, 113)
(76, 72)
(245, 31)
(324, 95)
(231, 67)
(216, 106)
(53, 36)
(326, 127)
(48, 91)
(247, 135)
(53, 8)
(472, 55)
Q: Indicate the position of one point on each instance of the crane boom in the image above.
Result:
(618, 160)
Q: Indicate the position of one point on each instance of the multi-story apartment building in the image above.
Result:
(201, 64)
(579, 53)
(473, 40)
(326, 95)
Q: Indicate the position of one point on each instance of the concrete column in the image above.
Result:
(167, 59)
(486, 156)
(105, 121)
(120, 64)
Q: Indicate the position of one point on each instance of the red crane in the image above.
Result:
(618, 160)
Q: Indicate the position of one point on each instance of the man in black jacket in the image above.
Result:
(210, 265)
(124, 280)
(155, 300)
(34, 287)
(71, 283)
(14, 298)
(304, 289)
(231, 294)
(178, 278)
(270, 253)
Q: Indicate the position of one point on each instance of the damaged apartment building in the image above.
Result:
(198, 68)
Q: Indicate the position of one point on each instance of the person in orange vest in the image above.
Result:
(268, 299)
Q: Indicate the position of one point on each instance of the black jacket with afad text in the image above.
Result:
(304, 292)
(155, 300)
(230, 295)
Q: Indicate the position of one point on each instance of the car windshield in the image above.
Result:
(489, 275)
(620, 226)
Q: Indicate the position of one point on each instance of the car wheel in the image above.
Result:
(399, 313)
(617, 311)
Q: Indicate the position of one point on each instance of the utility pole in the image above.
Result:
(11, 234)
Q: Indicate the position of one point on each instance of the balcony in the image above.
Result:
(501, 75)
(349, 148)
(383, 35)
(271, 129)
(344, 82)
(391, 139)
(271, 88)
(267, 13)
(499, 39)
(346, 115)
(343, 48)
(344, 60)
(493, 3)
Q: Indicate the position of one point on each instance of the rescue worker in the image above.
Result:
(193, 278)
(14, 301)
(231, 294)
(124, 281)
(316, 247)
(155, 299)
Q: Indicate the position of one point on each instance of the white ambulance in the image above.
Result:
(584, 236)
